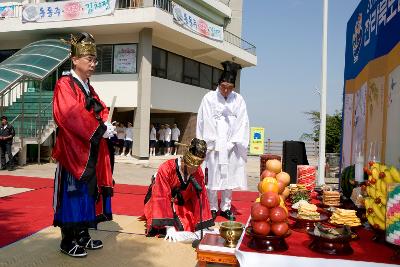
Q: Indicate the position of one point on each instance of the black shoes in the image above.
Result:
(74, 243)
(214, 214)
(9, 168)
(89, 243)
(73, 249)
(227, 214)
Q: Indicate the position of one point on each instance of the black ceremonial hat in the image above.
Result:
(230, 72)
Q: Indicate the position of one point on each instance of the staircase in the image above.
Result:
(32, 117)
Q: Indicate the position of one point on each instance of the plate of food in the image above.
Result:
(342, 217)
(330, 198)
(308, 212)
(305, 218)
(330, 240)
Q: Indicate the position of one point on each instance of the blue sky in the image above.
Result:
(287, 34)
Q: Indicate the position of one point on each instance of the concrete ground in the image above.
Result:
(124, 245)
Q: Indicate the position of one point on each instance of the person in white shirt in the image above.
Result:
(153, 140)
(222, 121)
(128, 140)
(121, 137)
(175, 133)
(167, 139)
(161, 138)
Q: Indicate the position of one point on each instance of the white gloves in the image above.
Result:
(185, 236)
(179, 236)
(171, 235)
(110, 130)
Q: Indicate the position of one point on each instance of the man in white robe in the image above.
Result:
(222, 121)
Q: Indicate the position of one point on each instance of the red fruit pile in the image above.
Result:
(268, 217)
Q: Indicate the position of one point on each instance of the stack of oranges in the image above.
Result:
(274, 180)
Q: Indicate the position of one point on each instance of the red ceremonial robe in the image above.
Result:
(80, 147)
(161, 204)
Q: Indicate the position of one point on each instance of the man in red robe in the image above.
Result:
(176, 201)
(83, 182)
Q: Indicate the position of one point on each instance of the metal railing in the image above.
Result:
(10, 95)
(33, 126)
(127, 4)
(275, 148)
(26, 125)
(166, 5)
(239, 42)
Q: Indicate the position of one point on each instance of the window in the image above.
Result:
(105, 58)
(4, 54)
(159, 63)
(66, 66)
(216, 75)
(191, 72)
(175, 67)
(205, 76)
(125, 58)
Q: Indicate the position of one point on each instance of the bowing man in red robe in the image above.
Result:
(176, 202)
(83, 182)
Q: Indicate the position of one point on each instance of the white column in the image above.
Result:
(141, 123)
(322, 129)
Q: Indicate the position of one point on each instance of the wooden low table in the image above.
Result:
(212, 250)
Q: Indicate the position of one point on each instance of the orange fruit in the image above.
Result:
(269, 187)
(270, 180)
(259, 187)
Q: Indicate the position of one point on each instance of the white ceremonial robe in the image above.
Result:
(224, 125)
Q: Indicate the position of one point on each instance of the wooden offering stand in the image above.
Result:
(270, 243)
(212, 250)
(332, 246)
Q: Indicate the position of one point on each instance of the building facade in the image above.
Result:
(157, 66)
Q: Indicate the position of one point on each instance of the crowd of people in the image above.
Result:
(122, 139)
(163, 139)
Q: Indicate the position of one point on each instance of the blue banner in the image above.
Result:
(370, 33)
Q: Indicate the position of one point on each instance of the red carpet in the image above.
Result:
(24, 214)
(27, 213)
(25, 182)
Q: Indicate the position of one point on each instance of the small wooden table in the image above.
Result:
(211, 249)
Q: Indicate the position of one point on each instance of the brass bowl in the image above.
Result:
(231, 232)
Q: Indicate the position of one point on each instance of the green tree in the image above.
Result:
(333, 130)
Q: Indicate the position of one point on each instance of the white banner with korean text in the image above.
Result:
(196, 24)
(67, 10)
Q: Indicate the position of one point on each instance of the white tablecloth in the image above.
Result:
(250, 259)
